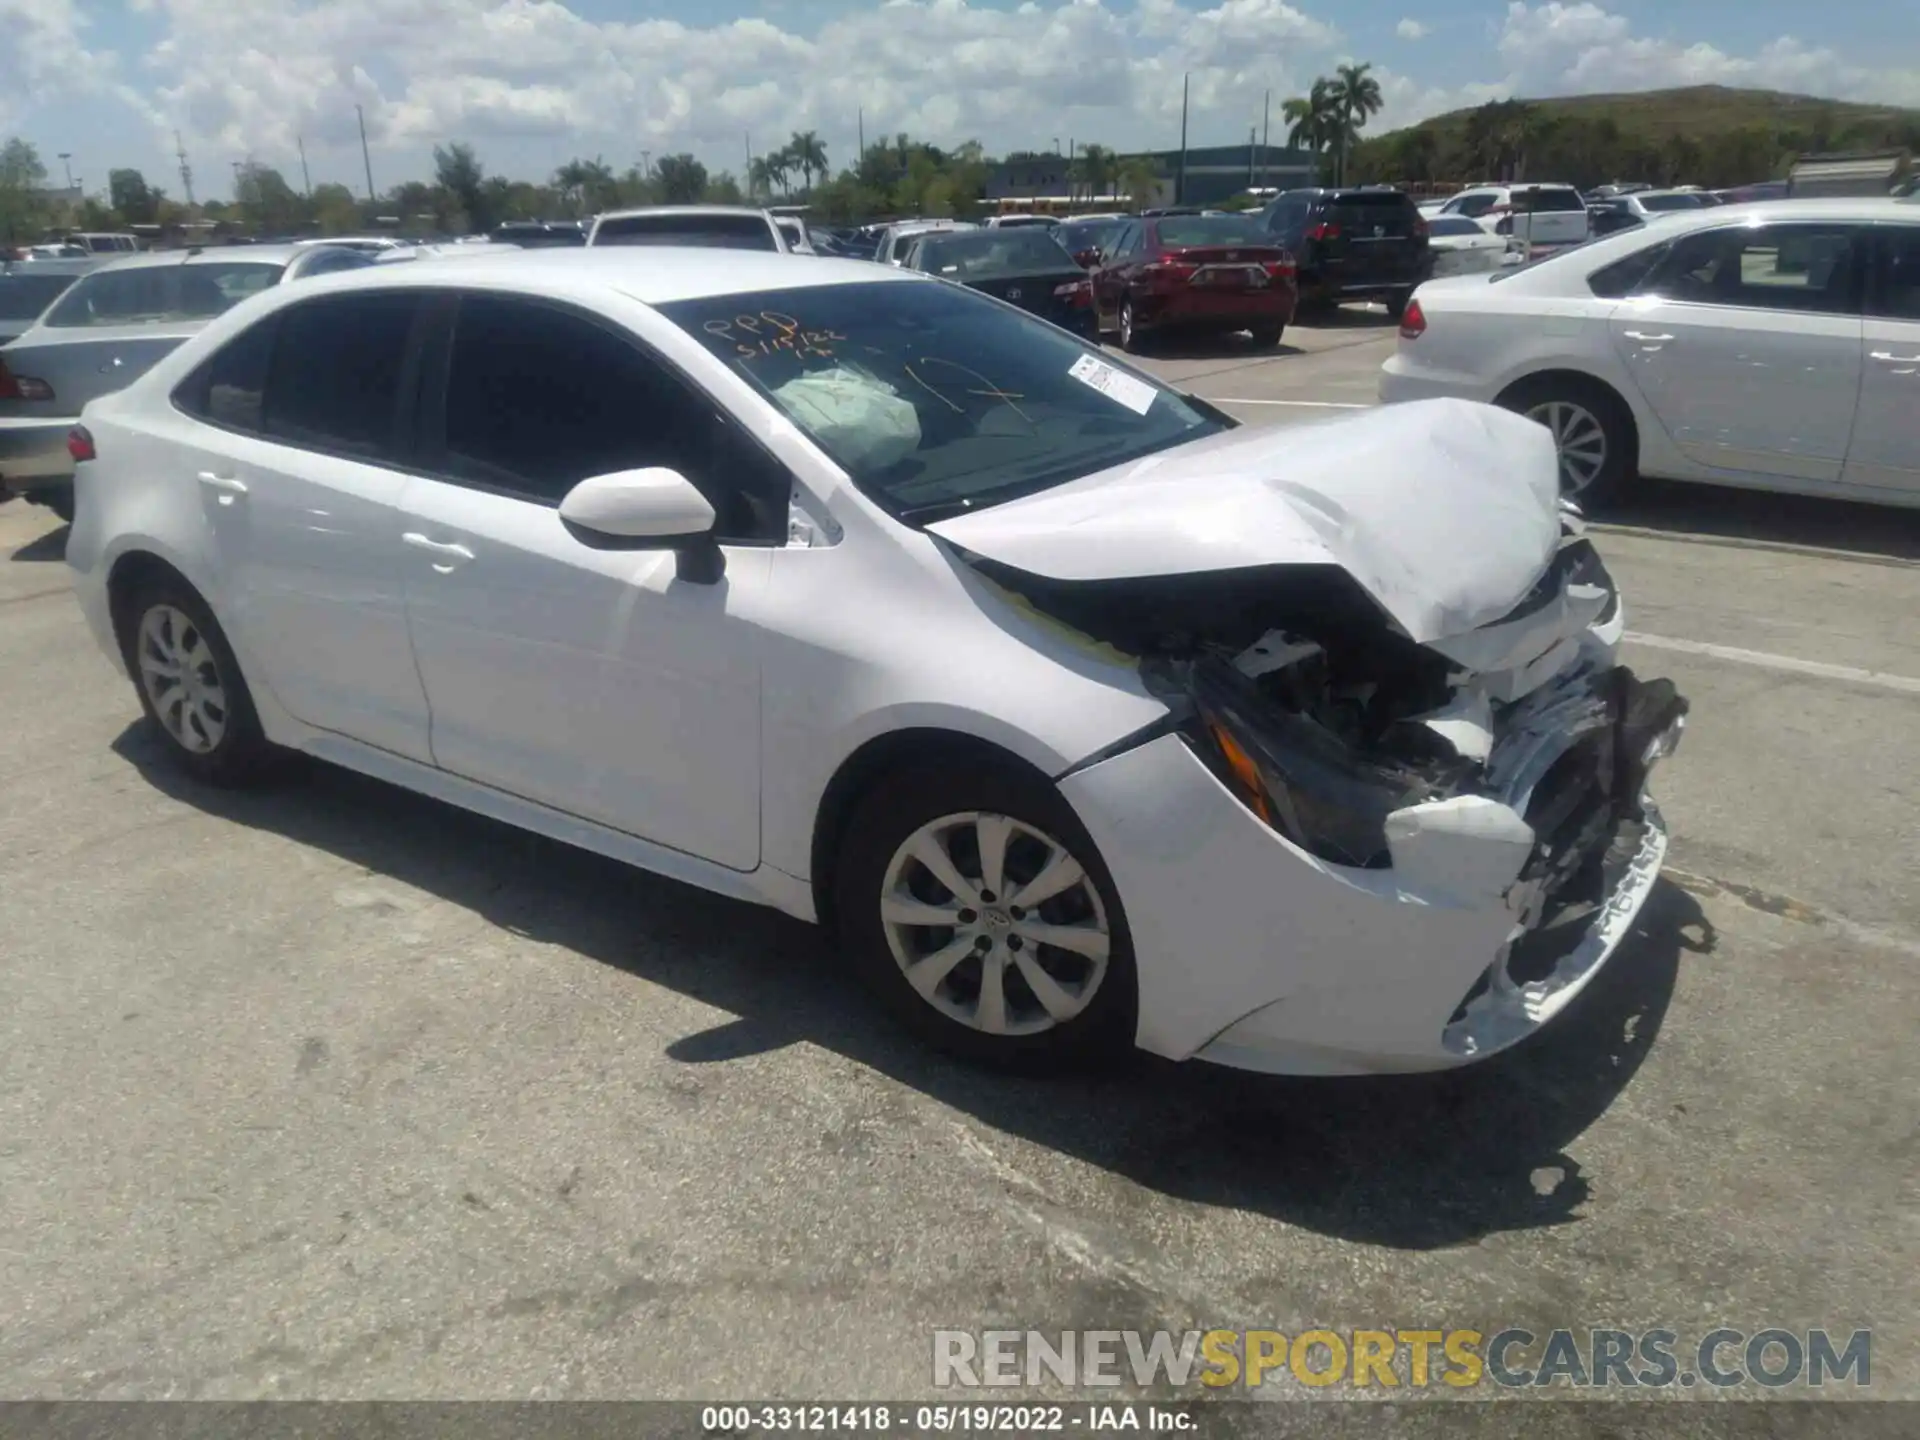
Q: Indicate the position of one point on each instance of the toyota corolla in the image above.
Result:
(1087, 718)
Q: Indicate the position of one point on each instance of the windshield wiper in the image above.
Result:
(936, 510)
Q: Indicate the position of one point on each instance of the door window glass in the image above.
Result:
(1808, 268)
(335, 380)
(227, 390)
(1897, 291)
(539, 399)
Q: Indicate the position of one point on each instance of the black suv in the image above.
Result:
(1352, 244)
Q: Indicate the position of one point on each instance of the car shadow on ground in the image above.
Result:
(1414, 1162)
(1725, 513)
(43, 549)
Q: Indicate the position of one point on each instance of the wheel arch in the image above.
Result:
(132, 569)
(869, 764)
(1586, 379)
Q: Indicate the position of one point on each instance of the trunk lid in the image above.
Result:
(84, 364)
(1035, 292)
(1445, 512)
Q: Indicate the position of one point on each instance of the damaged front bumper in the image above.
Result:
(1501, 901)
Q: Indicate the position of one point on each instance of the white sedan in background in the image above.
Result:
(1460, 246)
(1773, 346)
(845, 590)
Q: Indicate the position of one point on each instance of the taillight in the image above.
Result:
(1323, 232)
(1080, 292)
(1419, 227)
(1413, 323)
(22, 387)
(80, 444)
(1283, 269)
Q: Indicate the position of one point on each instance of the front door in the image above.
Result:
(1886, 436)
(595, 681)
(1745, 343)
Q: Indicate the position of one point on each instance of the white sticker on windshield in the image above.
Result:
(1116, 385)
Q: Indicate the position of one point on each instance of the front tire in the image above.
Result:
(190, 685)
(975, 906)
(1592, 431)
(1266, 337)
(1131, 340)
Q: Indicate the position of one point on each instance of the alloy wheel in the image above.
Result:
(1126, 325)
(182, 679)
(995, 924)
(1580, 439)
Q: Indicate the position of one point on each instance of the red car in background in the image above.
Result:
(1193, 273)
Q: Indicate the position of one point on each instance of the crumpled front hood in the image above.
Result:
(1445, 512)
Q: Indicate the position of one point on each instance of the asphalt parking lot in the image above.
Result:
(331, 1091)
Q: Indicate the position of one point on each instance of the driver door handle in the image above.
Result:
(451, 556)
(1893, 359)
(1645, 338)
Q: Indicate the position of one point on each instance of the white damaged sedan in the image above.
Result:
(1087, 718)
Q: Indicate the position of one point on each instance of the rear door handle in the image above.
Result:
(1893, 359)
(451, 556)
(229, 487)
(1645, 338)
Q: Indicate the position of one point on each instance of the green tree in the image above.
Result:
(1095, 169)
(23, 211)
(137, 202)
(335, 211)
(270, 205)
(682, 179)
(808, 154)
(1139, 181)
(1354, 97)
(458, 172)
(723, 189)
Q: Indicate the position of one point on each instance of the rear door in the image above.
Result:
(1885, 452)
(1548, 215)
(301, 497)
(1746, 344)
(1374, 238)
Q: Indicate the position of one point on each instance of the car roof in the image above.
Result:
(685, 210)
(65, 265)
(212, 254)
(653, 275)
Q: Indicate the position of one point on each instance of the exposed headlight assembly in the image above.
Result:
(1293, 773)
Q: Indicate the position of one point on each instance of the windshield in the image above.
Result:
(24, 296)
(1079, 235)
(153, 294)
(934, 399)
(991, 252)
(1182, 230)
(725, 232)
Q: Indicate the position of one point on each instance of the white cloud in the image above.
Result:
(531, 82)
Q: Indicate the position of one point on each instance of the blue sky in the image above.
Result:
(532, 82)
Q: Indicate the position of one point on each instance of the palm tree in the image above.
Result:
(779, 169)
(808, 154)
(1310, 118)
(1354, 95)
(1095, 169)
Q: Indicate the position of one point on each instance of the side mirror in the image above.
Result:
(648, 509)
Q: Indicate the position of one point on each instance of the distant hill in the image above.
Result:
(1701, 134)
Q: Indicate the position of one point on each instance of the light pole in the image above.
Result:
(66, 158)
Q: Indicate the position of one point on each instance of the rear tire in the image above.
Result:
(190, 685)
(1592, 428)
(1265, 337)
(1131, 339)
(1397, 305)
(985, 987)
(59, 500)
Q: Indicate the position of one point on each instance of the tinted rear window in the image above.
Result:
(1015, 251)
(23, 297)
(1546, 199)
(161, 294)
(725, 232)
(1672, 202)
(1442, 225)
(1210, 230)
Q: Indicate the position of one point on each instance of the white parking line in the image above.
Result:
(1786, 664)
(1302, 404)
